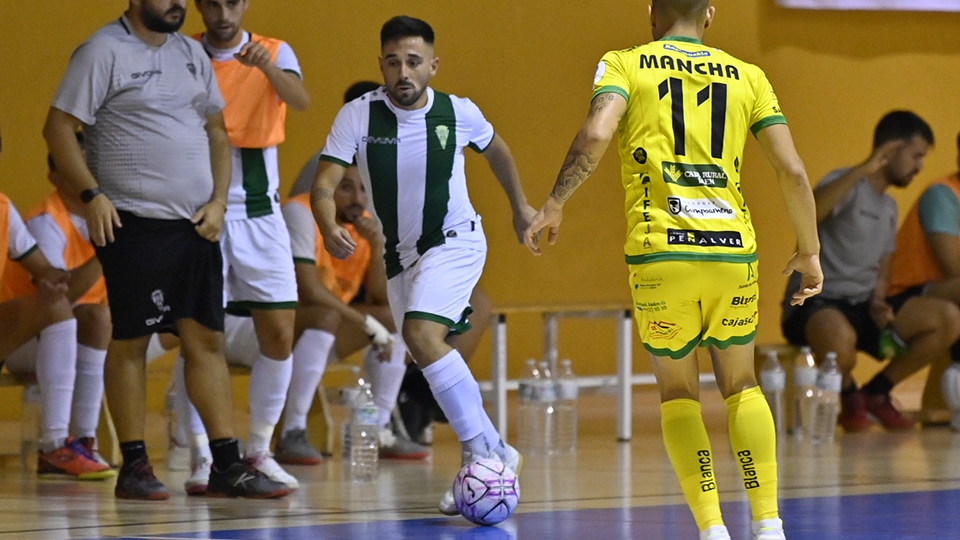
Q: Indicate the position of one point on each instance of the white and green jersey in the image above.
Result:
(412, 164)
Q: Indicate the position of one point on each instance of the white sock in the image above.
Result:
(458, 394)
(269, 382)
(309, 361)
(154, 348)
(189, 422)
(87, 391)
(490, 432)
(56, 374)
(201, 448)
(386, 378)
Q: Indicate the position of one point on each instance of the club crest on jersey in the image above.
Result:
(443, 133)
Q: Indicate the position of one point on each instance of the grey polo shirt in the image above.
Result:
(144, 111)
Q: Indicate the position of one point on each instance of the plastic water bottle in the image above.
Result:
(829, 383)
(805, 389)
(364, 440)
(773, 382)
(528, 428)
(568, 391)
(547, 412)
(30, 427)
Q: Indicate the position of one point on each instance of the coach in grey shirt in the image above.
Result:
(155, 183)
(857, 222)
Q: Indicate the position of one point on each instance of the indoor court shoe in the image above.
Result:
(294, 448)
(511, 458)
(265, 463)
(717, 532)
(178, 457)
(72, 459)
(90, 445)
(393, 446)
(882, 410)
(853, 412)
(197, 483)
(243, 480)
(448, 506)
(768, 529)
(137, 481)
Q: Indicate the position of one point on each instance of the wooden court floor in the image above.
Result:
(873, 485)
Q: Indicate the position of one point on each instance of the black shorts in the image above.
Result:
(159, 271)
(897, 301)
(857, 313)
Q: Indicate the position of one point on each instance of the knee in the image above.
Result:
(276, 341)
(950, 323)
(424, 346)
(94, 325)
(317, 317)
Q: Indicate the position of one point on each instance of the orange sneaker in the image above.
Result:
(72, 459)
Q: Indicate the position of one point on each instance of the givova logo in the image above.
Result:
(700, 208)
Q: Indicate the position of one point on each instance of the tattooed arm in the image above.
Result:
(588, 147)
(336, 239)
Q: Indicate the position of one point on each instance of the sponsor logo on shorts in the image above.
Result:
(157, 298)
(652, 307)
(731, 239)
(692, 175)
(662, 330)
(700, 208)
(740, 321)
(647, 282)
(743, 301)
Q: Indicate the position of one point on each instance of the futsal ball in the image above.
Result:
(486, 491)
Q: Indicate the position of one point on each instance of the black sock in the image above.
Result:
(849, 389)
(880, 385)
(132, 451)
(225, 452)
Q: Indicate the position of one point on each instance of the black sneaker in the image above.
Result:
(137, 481)
(242, 479)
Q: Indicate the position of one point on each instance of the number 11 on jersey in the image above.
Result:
(716, 93)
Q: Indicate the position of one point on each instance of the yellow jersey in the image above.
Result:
(689, 109)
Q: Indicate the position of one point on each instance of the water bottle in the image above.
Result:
(30, 427)
(547, 412)
(364, 436)
(805, 389)
(567, 393)
(829, 383)
(528, 428)
(773, 382)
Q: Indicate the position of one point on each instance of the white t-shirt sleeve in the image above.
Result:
(86, 84)
(481, 131)
(287, 60)
(344, 138)
(50, 237)
(22, 242)
(303, 233)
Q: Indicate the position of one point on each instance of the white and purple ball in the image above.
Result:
(486, 491)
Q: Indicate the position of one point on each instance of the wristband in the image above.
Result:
(88, 195)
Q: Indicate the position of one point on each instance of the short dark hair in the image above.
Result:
(681, 9)
(402, 26)
(901, 126)
(51, 164)
(358, 89)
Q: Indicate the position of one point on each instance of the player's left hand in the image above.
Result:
(881, 312)
(811, 281)
(254, 54)
(550, 217)
(377, 332)
(370, 229)
(522, 217)
(208, 221)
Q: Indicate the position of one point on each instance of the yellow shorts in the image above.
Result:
(682, 304)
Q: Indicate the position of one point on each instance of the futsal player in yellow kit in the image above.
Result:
(683, 112)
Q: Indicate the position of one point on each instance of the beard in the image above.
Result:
(155, 22)
(406, 102)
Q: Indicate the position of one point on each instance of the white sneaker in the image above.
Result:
(717, 532)
(265, 463)
(178, 457)
(951, 392)
(448, 506)
(511, 458)
(768, 529)
(197, 483)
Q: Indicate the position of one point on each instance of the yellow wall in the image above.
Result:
(529, 65)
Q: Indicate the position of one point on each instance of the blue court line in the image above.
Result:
(893, 516)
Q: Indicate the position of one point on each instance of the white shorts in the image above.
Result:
(24, 359)
(240, 341)
(257, 264)
(438, 287)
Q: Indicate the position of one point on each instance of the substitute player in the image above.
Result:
(259, 77)
(409, 142)
(683, 111)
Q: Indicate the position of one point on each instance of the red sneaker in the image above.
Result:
(853, 412)
(881, 409)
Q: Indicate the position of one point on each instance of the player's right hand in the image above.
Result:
(882, 155)
(102, 217)
(378, 333)
(53, 287)
(339, 243)
(811, 282)
(370, 229)
(550, 217)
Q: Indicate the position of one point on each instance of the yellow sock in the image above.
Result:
(754, 440)
(688, 446)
